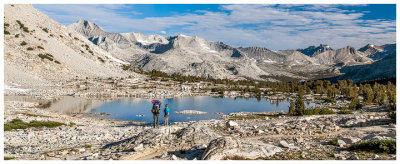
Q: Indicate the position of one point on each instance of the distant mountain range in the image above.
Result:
(192, 55)
(83, 49)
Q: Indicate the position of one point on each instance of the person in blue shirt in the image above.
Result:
(166, 114)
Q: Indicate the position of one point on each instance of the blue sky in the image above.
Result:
(272, 26)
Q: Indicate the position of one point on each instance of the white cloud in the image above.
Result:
(274, 27)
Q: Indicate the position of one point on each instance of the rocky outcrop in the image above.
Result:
(190, 112)
(41, 52)
(226, 148)
(344, 56)
(315, 50)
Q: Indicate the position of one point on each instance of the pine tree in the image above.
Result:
(368, 94)
(355, 104)
(292, 108)
(300, 108)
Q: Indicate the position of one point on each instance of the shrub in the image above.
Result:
(6, 32)
(45, 104)
(355, 104)
(76, 38)
(23, 43)
(71, 124)
(392, 113)
(220, 91)
(16, 35)
(101, 59)
(125, 67)
(20, 24)
(40, 47)
(6, 25)
(235, 157)
(382, 146)
(334, 142)
(45, 30)
(56, 61)
(91, 52)
(19, 124)
(88, 146)
(29, 49)
(25, 29)
(46, 56)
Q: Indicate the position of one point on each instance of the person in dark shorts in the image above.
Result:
(156, 112)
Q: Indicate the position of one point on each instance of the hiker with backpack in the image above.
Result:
(156, 111)
(166, 114)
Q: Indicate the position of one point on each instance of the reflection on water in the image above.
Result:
(139, 109)
(71, 105)
(131, 108)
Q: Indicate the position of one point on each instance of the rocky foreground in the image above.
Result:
(232, 137)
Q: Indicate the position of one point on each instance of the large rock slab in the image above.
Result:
(225, 147)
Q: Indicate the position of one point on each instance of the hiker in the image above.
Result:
(156, 111)
(166, 114)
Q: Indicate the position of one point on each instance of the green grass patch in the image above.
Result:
(71, 124)
(381, 146)
(34, 115)
(9, 158)
(345, 112)
(19, 124)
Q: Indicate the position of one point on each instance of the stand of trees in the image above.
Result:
(297, 108)
(380, 92)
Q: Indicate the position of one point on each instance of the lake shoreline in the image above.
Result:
(101, 138)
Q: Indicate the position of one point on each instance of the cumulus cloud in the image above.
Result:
(272, 26)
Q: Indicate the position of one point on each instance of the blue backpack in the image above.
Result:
(156, 107)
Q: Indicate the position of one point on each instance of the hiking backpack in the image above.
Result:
(156, 107)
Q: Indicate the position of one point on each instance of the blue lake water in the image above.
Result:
(129, 108)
